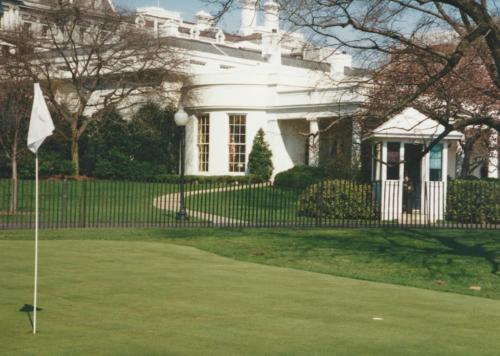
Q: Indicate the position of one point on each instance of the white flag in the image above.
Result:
(41, 125)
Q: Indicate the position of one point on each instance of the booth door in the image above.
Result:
(412, 180)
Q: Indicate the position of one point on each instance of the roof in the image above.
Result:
(412, 124)
(207, 47)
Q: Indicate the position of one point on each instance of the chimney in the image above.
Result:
(204, 20)
(169, 29)
(271, 16)
(248, 17)
(338, 61)
(271, 47)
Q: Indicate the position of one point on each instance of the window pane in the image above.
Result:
(436, 163)
(237, 143)
(393, 160)
(203, 142)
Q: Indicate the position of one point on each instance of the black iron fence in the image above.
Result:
(334, 203)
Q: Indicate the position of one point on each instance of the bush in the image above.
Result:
(142, 148)
(474, 201)
(51, 164)
(260, 162)
(342, 167)
(299, 177)
(337, 199)
(248, 179)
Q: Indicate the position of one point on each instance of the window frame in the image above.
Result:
(393, 165)
(439, 171)
(237, 142)
(203, 143)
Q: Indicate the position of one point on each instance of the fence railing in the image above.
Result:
(339, 203)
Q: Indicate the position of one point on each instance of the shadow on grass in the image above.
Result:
(462, 249)
(28, 309)
(421, 248)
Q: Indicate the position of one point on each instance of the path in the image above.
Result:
(171, 202)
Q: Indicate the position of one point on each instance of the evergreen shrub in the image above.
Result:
(260, 162)
(337, 199)
(299, 177)
(473, 201)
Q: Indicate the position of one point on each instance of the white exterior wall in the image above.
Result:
(278, 99)
(287, 143)
(218, 161)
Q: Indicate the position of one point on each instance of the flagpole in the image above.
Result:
(36, 244)
(41, 127)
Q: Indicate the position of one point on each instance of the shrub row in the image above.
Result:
(299, 177)
(247, 179)
(474, 201)
(337, 199)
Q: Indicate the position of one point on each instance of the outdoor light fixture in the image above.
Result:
(181, 119)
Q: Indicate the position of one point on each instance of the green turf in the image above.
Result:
(145, 298)
(266, 204)
(255, 204)
(89, 203)
(443, 260)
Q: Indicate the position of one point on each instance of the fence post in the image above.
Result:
(83, 204)
(320, 205)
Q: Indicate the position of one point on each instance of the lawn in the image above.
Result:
(257, 204)
(129, 292)
(265, 205)
(90, 203)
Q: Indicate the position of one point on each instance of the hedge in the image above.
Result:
(299, 177)
(474, 201)
(337, 199)
(247, 179)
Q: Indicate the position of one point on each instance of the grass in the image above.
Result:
(92, 203)
(442, 260)
(129, 292)
(254, 204)
(265, 204)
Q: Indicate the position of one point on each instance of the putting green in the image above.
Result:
(131, 298)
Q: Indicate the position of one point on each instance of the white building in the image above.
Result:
(261, 77)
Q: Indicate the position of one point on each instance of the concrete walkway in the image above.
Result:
(171, 202)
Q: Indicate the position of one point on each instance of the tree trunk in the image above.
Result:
(466, 169)
(13, 190)
(75, 157)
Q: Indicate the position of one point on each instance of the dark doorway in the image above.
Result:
(412, 177)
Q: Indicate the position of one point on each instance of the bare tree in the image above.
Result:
(88, 59)
(377, 30)
(464, 100)
(15, 103)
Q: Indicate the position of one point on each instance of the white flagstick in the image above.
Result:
(36, 244)
(41, 127)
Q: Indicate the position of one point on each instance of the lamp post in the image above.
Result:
(181, 120)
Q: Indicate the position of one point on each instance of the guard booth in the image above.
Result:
(409, 187)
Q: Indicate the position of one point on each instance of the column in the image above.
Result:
(191, 149)
(219, 144)
(155, 22)
(383, 165)
(402, 162)
(493, 159)
(313, 142)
